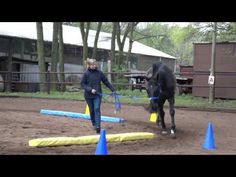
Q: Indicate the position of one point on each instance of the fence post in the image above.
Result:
(48, 81)
(109, 70)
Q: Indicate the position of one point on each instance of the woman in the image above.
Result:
(91, 83)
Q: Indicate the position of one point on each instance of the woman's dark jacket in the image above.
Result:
(92, 79)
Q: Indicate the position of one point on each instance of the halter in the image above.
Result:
(157, 97)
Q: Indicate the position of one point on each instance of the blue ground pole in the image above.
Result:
(80, 115)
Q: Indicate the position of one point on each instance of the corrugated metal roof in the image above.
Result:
(72, 35)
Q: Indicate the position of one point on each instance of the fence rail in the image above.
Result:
(125, 73)
(7, 79)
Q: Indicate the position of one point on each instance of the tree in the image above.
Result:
(212, 69)
(126, 27)
(131, 40)
(182, 39)
(228, 32)
(113, 42)
(205, 31)
(41, 58)
(173, 40)
(9, 64)
(84, 33)
(155, 35)
(61, 57)
(96, 40)
(107, 27)
(113, 51)
(54, 54)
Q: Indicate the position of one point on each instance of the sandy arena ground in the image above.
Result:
(21, 121)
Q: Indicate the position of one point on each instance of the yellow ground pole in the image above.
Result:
(91, 139)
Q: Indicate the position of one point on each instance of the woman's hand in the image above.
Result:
(93, 91)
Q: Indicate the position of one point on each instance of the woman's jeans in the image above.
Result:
(94, 105)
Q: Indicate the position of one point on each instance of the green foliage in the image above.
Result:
(119, 78)
(130, 97)
(182, 40)
(155, 35)
(225, 31)
(178, 41)
(174, 40)
(199, 102)
(61, 95)
(229, 34)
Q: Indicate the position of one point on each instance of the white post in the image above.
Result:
(109, 70)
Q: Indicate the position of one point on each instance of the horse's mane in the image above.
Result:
(165, 77)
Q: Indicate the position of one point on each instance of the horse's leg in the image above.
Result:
(158, 122)
(172, 114)
(161, 115)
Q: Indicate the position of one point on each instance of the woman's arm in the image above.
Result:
(84, 83)
(106, 82)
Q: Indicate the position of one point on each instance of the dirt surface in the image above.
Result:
(21, 121)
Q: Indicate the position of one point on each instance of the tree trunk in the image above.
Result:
(41, 58)
(9, 65)
(128, 54)
(212, 70)
(120, 58)
(113, 51)
(96, 40)
(61, 57)
(54, 55)
(130, 45)
(84, 35)
(113, 43)
(121, 43)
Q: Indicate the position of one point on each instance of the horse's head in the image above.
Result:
(153, 91)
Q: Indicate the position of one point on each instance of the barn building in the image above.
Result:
(225, 69)
(23, 39)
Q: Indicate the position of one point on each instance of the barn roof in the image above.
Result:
(72, 35)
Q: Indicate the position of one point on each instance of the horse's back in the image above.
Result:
(167, 80)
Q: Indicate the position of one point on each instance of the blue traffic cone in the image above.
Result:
(209, 139)
(102, 144)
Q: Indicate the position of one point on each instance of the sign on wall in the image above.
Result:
(211, 80)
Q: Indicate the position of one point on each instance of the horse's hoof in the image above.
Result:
(172, 134)
(172, 131)
(163, 132)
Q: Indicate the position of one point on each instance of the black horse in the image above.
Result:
(161, 87)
